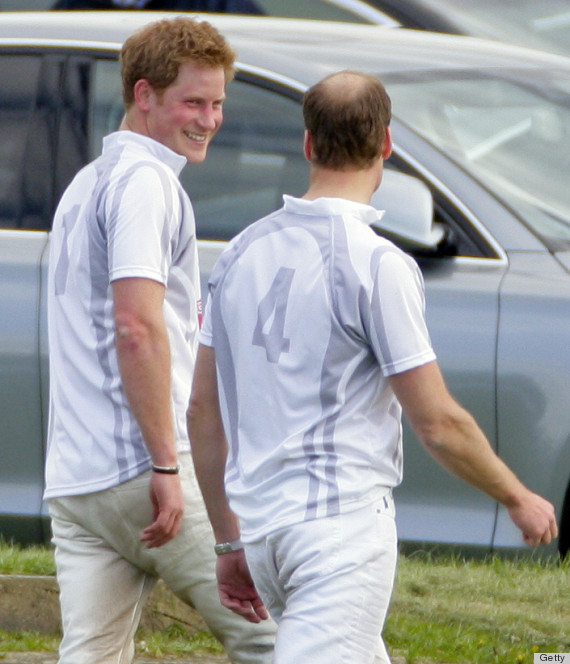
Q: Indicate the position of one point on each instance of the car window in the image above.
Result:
(73, 96)
(19, 78)
(510, 130)
(106, 105)
(256, 156)
(541, 24)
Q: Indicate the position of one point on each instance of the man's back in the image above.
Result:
(300, 360)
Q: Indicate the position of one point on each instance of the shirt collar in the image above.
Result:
(126, 137)
(326, 206)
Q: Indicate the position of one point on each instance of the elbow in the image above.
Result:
(131, 333)
(194, 412)
(200, 414)
(445, 430)
(431, 435)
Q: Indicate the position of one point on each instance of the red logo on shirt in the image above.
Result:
(200, 312)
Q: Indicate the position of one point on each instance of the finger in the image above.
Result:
(531, 540)
(242, 609)
(156, 534)
(154, 539)
(259, 609)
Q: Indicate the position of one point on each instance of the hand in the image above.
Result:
(168, 503)
(236, 589)
(536, 518)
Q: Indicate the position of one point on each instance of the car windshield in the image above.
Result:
(543, 24)
(510, 130)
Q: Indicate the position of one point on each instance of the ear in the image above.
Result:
(387, 147)
(307, 145)
(143, 93)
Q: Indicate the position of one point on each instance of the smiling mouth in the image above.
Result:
(195, 137)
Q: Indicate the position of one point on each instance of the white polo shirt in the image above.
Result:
(309, 311)
(124, 215)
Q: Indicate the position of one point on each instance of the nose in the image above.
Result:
(210, 117)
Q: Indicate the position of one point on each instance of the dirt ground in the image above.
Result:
(31, 604)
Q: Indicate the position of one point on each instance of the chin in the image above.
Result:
(196, 157)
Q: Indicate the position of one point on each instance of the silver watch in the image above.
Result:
(228, 547)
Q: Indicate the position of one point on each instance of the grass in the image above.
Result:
(445, 609)
(174, 641)
(26, 560)
(491, 611)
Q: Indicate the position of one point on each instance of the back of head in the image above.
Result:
(347, 114)
(156, 52)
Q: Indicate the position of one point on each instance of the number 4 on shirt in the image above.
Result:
(273, 307)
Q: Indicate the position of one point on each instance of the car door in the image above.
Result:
(462, 283)
(25, 158)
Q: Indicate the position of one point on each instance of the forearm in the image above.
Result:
(209, 447)
(460, 446)
(209, 453)
(144, 362)
(451, 435)
(454, 439)
(143, 354)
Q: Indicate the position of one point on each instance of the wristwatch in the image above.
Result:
(228, 547)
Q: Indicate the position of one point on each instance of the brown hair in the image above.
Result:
(347, 114)
(156, 51)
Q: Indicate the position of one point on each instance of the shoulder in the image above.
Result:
(244, 240)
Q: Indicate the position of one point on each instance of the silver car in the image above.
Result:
(477, 190)
(541, 24)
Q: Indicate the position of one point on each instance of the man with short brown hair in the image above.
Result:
(314, 340)
(124, 309)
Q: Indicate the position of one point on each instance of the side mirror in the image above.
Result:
(408, 217)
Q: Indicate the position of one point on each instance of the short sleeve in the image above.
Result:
(399, 334)
(139, 214)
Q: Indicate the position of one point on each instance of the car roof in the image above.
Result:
(304, 49)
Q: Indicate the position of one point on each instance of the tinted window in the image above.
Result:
(73, 113)
(508, 129)
(19, 76)
(256, 157)
(107, 104)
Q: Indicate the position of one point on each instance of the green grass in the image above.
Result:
(175, 641)
(15, 559)
(488, 611)
(445, 609)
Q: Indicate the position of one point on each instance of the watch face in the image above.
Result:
(228, 547)
(223, 548)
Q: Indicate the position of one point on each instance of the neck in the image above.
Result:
(134, 121)
(353, 185)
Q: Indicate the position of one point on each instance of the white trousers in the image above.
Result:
(328, 584)
(105, 574)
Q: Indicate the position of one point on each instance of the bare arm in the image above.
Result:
(209, 451)
(143, 353)
(454, 439)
